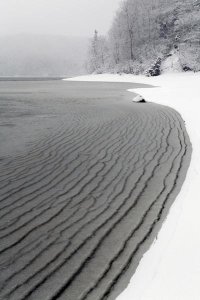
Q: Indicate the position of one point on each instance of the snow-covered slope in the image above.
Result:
(172, 64)
(170, 270)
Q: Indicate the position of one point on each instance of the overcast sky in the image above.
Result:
(65, 17)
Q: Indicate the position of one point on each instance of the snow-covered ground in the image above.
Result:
(170, 270)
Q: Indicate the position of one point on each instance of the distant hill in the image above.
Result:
(42, 55)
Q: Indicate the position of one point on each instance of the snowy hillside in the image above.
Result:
(144, 34)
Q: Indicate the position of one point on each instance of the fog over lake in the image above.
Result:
(48, 37)
(42, 55)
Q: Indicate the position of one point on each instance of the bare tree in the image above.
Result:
(146, 31)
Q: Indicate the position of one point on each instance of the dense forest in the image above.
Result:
(145, 34)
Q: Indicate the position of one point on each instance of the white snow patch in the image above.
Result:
(170, 270)
(172, 64)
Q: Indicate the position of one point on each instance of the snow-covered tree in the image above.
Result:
(98, 53)
(144, 32)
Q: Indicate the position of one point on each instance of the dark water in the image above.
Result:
(87, 178)
(30, 78)
(30, 107)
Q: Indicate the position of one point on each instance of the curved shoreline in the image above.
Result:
(100, 179)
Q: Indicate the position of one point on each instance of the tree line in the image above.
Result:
(144, 33)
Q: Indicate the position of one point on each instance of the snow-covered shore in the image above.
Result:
(170, 270)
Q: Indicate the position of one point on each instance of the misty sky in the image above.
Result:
(65, 17)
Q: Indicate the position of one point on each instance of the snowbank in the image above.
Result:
(172, 64)
(170, 270)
